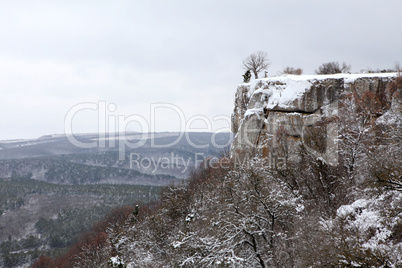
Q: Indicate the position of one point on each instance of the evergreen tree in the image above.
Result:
(246, 76)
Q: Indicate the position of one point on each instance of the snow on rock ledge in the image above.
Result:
(295, 106)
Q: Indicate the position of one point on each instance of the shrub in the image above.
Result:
(291, 70)
(333, 68)
(246, 76)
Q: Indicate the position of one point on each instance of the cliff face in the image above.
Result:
(274, 116)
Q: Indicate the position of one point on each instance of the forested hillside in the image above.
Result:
(38, 218)
(51, 192)
(306, 213)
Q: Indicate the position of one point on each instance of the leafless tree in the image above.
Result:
(333, 68)
(256, 62)
(398, 68)
(291, 70)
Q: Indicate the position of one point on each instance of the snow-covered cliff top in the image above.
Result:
(281, 92)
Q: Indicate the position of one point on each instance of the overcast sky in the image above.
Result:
(57, 57)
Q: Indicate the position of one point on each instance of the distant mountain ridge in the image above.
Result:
(57, 144)
(162, 158)
(52, 190)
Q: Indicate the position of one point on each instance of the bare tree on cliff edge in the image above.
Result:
(256, 62)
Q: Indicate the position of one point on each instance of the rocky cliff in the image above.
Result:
(274, 116)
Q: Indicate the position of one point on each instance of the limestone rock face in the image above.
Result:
(241, 100)
(274, 116)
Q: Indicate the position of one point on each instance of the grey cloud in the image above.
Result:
(113, 49)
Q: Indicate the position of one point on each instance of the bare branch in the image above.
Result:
(256, 62)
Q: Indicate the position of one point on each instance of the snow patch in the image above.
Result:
(256, 111)
(281, 91)
(116, 262)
